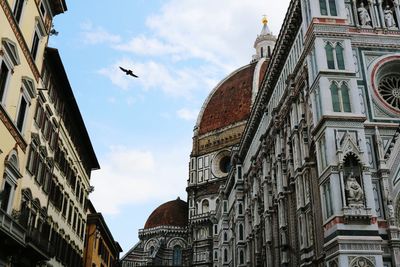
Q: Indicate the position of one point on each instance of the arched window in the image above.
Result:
(225, 236)
(335, 97)
(151, 250)
(225, 255)
(241, 232)
(241, 257)
(329, 56)
(339, 56)
(262, 51)
(340, 98)
(177, 257)
(204, 206)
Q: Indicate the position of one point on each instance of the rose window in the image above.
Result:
(389, 89)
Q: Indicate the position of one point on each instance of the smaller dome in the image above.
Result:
(171, 213)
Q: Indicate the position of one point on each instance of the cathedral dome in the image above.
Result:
(171, 213)
(229, 102)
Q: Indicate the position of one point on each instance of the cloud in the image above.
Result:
(174, 82)
(147, 46)
(132, 176)
(220, 32)
(98, 35)
(188, 114)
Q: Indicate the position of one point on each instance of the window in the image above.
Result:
(327, 199)
(335, 55)
(328, 5)
(241, 232)
(11, 175)
(35, 45)
(177, 257)
(322, 152)
(225, 255)
(5, 197)
(241, 257)
(21, 114)
(42, 8)
(240, 209)
(340, 98)
(4, 75)
(19, 4)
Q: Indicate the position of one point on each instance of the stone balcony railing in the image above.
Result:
(12, 227)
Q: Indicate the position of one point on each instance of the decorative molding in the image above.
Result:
(20, 38)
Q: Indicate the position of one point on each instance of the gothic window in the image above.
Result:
(340, 97)
(225, 236)
(335, 55)
(177, 257)
(328, 7)
(327, 199)
(241, 232)
(329, 56)
(241, 257)
(225, 255)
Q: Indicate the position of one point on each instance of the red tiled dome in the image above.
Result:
(171, 213)
(230, 102)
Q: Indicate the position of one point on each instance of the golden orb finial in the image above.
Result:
(264, 20)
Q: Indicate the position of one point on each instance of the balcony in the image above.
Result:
(40, 243)
(12, 228)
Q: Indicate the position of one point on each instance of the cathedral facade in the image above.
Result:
(295, 158)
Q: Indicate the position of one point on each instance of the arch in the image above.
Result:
(339, 56)
(177, 241)
(361, 262)
(150, 243)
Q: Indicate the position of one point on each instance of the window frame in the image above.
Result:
(330, 8)
(18, 4)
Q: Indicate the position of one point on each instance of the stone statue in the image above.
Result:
(355, 194)
(365, 19)
(390, 209)
(389, 19)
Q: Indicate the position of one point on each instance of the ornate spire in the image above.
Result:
(265, 30)
(264, 42)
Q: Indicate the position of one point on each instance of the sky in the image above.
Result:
(141, 129)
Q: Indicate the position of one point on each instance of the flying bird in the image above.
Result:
(128, 72)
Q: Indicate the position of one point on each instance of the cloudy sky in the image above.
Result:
(141, 129)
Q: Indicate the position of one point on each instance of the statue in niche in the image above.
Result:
(355, 194)
(389, 19)
(365, 19)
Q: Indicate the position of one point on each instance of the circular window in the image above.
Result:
(225, 164)
(385, 79)
(389, 89)
(221, 164)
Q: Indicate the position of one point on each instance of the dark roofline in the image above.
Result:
(291, 24)
(53, 57)
(98, 220)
